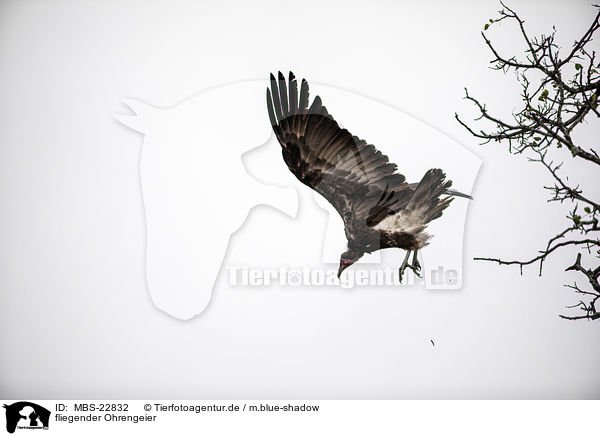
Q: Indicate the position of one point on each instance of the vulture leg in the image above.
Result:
(416, 266)
(404, 266)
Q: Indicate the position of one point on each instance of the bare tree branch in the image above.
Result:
(561, 100)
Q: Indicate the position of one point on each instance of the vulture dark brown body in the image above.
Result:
(379, 208)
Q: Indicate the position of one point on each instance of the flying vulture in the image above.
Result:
(379, 208)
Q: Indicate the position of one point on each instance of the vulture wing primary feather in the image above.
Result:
(378, 207)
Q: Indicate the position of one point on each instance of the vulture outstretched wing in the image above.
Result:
(356, 178)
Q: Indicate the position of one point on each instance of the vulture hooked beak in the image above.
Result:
(342, 268)
(347, 259)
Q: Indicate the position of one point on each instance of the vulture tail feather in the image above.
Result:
(427, 195)
(455, 193)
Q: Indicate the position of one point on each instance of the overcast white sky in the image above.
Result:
(75, 315)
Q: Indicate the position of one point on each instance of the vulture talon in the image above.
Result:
(404, 266)
(417, 271)
(416, 266)
(401, 272)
